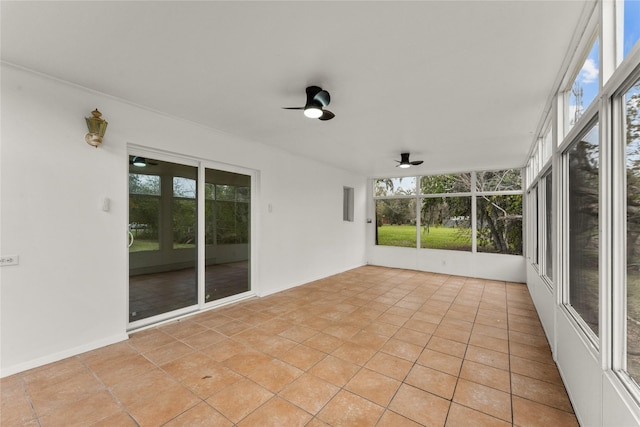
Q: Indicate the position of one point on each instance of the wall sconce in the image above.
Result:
(97, 128)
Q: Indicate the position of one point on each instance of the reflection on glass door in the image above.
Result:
(227, 226)
(162, 237)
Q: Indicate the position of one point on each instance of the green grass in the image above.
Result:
(153, 245)
(436, 238)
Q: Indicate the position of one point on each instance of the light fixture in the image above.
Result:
(313, 112)
(97, 128)
(404, 165)
(140, 162)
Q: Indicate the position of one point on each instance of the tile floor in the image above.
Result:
(372, 346)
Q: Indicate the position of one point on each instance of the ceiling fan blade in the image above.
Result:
(417, 162)
(293, 108)
(326, 115)
(322, 97)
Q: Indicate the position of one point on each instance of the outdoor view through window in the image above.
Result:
(441, 206)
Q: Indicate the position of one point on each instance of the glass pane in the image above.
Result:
(227, 234)
(144, 184)
(396, 222)
(209, 191)
(225, 192)
(503, 180)
(583, 208)
(162, 257)
(243, 194)
(548, 226)
(632, 134)
(535, 198)
(585, 87)
(631, 30)
(394, 186)
(184, 187)
(439, 184)
(184, 223)
(446, 223)
(144, 214)
(499, 224)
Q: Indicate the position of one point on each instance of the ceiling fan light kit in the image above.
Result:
(317, 100)
(404, 161)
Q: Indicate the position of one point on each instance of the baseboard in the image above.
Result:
(25, 366)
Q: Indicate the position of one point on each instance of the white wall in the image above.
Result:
(509, 268)
(69, 292)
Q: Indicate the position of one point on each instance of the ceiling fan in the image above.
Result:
(405, 163)
(317, 99)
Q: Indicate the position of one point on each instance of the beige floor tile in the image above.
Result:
(354, 353)
(303, 357)
(537, 370)
(402, 349)
(391, 419)
(248, 361)
(168, 352)
(488, 357)
(334, 370)
(165, 405)
(276, 413)
(201, 415)
(324, 342)
(120, 419)
(142, 387)
(223, 350)
(240, 399)
(209, 379)
(486, 375)
(453, 334)
(309, 392)
(483, 399)
(447, 346)
(461, 416)
(186, 365)
(420, 406)
(531, 414)
(150, 339)
(203, 339)
(440, 361)
(63, 393)
(549, 394)
(433, 381)
(373, 386)
(391, 366)
(347, 409)
(275, 375)
(82, 412)
(412, 336)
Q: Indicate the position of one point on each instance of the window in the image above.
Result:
(585, 87)
(144, 212)
(630, 25)
(184, 212)
(395, 186)
(632, 166)
(500, 224)
(548, 226)
(396, 222)
(583, 212)
(535, 224)
(445, 211)
(446, 223)
(347, 204)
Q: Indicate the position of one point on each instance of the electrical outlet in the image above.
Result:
(9, 260)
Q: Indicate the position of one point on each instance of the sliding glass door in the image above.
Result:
(165, 199)
(227, 227)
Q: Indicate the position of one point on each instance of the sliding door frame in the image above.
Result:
(201, 164)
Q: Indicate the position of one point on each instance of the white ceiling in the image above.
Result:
(460, 84)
